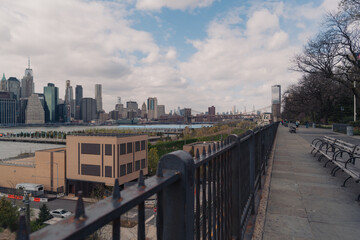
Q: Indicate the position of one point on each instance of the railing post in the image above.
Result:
(235, 188)
(252, 171)
(178, 199)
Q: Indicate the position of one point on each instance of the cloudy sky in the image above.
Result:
(187, 53)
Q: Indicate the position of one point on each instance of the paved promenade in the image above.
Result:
(305, 201)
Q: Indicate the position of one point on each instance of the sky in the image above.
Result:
(187, 53)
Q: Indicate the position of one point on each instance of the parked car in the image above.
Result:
(60, 213)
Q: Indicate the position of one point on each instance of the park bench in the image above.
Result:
(340, 153)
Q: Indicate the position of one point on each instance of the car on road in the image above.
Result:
(60, 213)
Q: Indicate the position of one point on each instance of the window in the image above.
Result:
(123, 170)
(129, 168)
(108, 149)
(90, 148)
(137, 146)
(108, 170)
(143, 142)
(122, 149)
(129, 147)
(137, 165)
(90, 170)
(143, 163)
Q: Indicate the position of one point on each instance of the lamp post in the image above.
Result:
(354, 103)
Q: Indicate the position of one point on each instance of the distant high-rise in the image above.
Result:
(88, 109)
(3, 84)
(35, 113)
(27, 83)
(13, 86)
(118, 100)
(132, 105)
(51, 94)
(211, 110)
(152, 108)
(7, 109)
(69, 103)
(161, 110)
(78, 98)
(98, 97)
(276, 102)
(143, 110)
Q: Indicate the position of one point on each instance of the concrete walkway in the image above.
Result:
(305, 201)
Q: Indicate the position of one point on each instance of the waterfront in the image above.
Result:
(12, 149)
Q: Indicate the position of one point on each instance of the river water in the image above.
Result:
(12, 149)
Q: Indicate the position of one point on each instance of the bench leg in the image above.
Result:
(345, 181)
(334, 170)
(327, 163)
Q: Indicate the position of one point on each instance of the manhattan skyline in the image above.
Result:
(186, 53)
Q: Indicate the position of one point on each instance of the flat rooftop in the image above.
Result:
(119, 135)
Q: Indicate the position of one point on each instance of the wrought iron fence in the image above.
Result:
(210, 196)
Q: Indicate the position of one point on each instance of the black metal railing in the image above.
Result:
(210, 196)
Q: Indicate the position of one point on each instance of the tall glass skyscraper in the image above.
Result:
(51, 94)
(98, 97)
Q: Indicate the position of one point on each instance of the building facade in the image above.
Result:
(211, 110)
(35, 113)
(69, 102)
(161, 110)
(78, 98)
(3, 84)
(276, 102)
(152, 108)
(98, 97)
(102, 158)
(27, 83)
(7, 109)
(51, 94)
(88, 109)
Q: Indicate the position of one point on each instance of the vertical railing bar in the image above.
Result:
(210, 205)
(141, 221)
(116, 229)
(197, 215)
(204, 203)
(218, 198)
(222, 196)
(159, 216)
(214, 198)
(229, 175)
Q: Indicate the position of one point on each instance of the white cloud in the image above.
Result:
(172, 4)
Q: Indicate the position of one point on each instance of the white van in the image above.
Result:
(34, 189)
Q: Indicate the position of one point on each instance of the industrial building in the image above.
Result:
(87, 161)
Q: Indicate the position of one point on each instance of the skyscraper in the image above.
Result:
(35, 113)
(51, 94)
(98, 97)
(276, 102)
(27, 82)
(78, 98)
(152, 108)
(3, 84)
(211, 110)
(13, 86)
(88, 109)
(7, 109)
(161, 110)
(143, 110)
(69, 102)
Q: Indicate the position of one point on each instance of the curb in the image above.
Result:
(261, 215)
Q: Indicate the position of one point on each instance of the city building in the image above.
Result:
(51, 94)
(78, 98)
(7, 109)
(120, 108)
(132, 105)
(161, 110)
(276, 102)
(211, 110)
(35, 113)
(187, 115)
(143, 111)
(152, 108)
(13, 86)
(88, 109)
(3, 84)
(98, 97)
(27, 83)
(102, 158)
(69, 102)
(114, 115)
